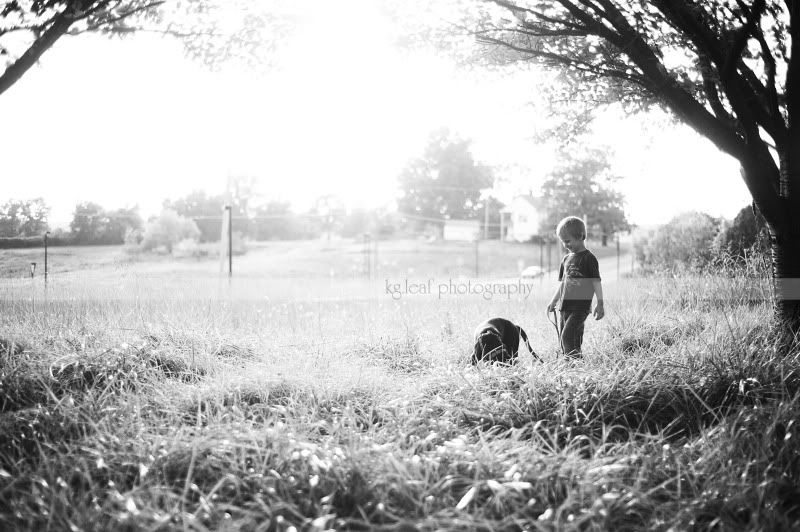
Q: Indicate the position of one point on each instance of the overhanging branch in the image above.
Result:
(43, 42)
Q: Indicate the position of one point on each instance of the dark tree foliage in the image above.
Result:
(730, 69)
(445, 182)
(746, 235)
(92, 224)
(23, 218)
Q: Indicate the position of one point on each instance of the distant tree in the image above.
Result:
(276, 221)
(23, 218)
(88, 219)
(492, 231)
(379, 223)
(240, 193)
(327, 214)
(122, 222)
(359, 221)
(92, 224)
(445, 182)
(167, 230)
(582, 184)
(211, 30)
(205, 210)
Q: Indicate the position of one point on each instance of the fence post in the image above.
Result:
(45, 255)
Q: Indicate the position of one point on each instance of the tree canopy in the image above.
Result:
(445, 182)
(583, 184)
(723, 67)
(23, 218)
(212, 31)
(92, 224)
(728, 68)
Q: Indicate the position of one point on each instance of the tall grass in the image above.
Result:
(162, 410)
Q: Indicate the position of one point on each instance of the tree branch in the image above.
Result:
(583, 66)
(743, 90)
(740, 38)
(710, 86)
(112, 20)
(48, 37)
(537, 14)
(770, 66)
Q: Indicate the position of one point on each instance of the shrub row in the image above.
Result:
(24, 242)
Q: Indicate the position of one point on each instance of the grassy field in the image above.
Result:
(151, 395)
(306, 258)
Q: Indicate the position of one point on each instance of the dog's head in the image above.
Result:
(490, 348)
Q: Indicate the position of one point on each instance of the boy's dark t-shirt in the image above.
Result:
(578, 271)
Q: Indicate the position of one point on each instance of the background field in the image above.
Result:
(154, 394)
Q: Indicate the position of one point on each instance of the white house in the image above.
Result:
(461, 229)
(523, 215)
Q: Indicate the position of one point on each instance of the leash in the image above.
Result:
(554, 321)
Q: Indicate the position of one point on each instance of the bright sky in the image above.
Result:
(133, 122)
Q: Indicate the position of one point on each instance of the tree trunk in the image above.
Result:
(776, 195)
(786, 283)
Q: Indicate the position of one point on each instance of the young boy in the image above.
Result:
(579, 276)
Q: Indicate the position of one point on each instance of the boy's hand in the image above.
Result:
(551, 307)
(599, 312)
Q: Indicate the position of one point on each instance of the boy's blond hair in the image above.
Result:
(573, 226)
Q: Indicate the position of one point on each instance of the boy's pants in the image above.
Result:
(572, 331)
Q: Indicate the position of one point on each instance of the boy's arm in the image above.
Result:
(599, 310)
(556, 296)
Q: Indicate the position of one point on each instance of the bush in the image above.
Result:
(187, 247)
(742, 247)
(685, 242)
(167, 230)
(25, 242)
(745, 236)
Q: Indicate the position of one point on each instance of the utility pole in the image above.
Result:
(45, 255)
(486, 220)
(230, 239)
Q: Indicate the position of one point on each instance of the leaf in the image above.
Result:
(467, 498)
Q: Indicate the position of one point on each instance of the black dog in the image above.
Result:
(497, 340)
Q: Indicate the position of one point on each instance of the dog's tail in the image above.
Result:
(528, 345)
